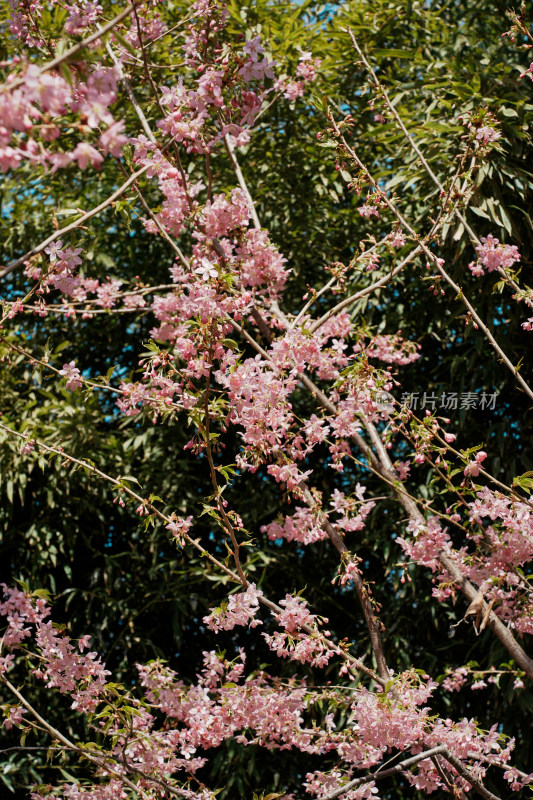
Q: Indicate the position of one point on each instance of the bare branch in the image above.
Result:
(73, 225)
(76, 48)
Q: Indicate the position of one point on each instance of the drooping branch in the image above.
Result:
(382, 465)
(406, 764)
(76, 224)
(103, 763)
(433, 259)
(67, 55)
(147, 504)
(372, 622)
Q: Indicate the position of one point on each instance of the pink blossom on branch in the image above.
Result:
(473, 467)
(367, 210)
(492, 255)
(241, 609)
(113, 140)
(72, 375)
(85, 154)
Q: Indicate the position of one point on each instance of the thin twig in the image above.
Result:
(242, 183)
(386, 773)
(76, 224)
(349, 301)
(77, 47)
(434, 260)
(147, 504)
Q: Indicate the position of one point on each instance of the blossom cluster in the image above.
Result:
(492, 255)
(240, 609)
(260, 710)
(39, 104)
(62, 665)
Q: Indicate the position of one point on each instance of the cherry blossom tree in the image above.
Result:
(289, 393)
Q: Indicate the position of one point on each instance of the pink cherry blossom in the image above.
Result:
(206, 270)
(84, 153)
(72, 375)
(113, 140)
